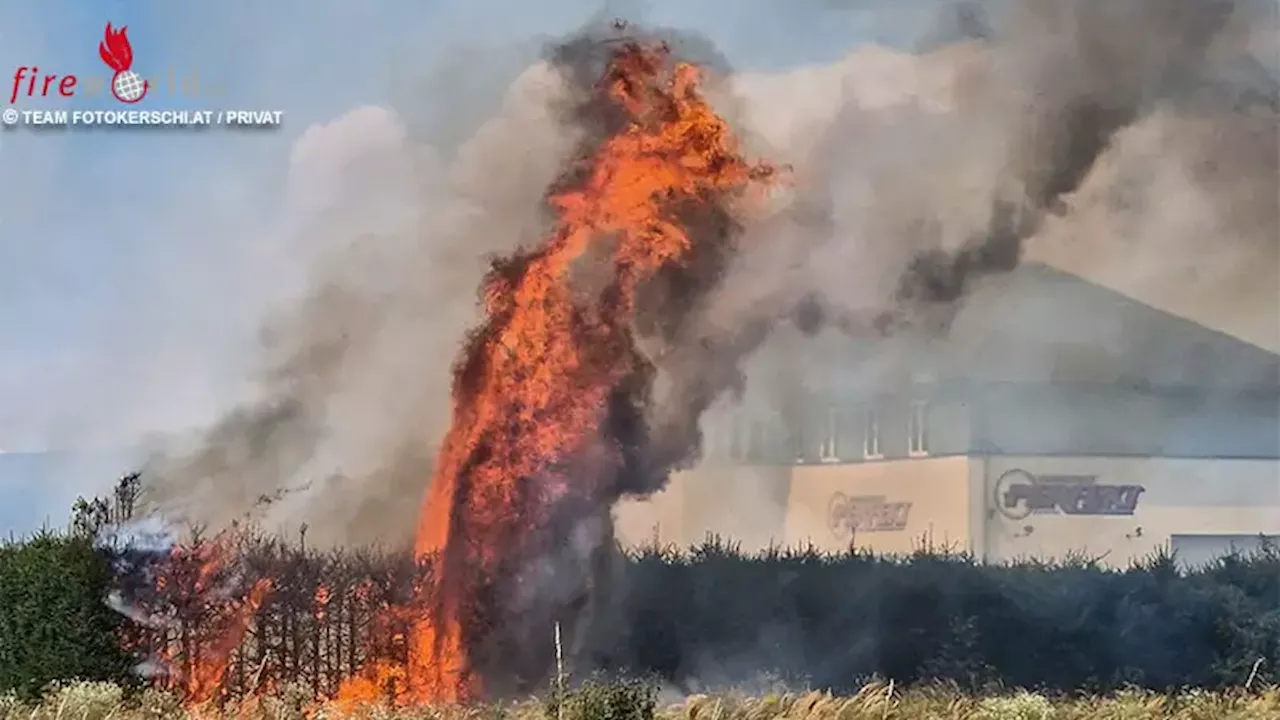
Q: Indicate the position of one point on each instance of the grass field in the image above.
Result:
(103, 701)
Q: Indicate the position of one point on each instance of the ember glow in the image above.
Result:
(549, 390)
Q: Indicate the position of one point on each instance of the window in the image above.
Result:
(871, 436)
(795, 432)
(757, 451)
(918, 430)
(829, 446)
(759, 440)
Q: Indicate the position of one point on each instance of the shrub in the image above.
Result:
(831, 621)
(54, 621)
(596, 700)
(1023, 706)
(826, 622)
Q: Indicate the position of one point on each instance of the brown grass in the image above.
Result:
(100, 701)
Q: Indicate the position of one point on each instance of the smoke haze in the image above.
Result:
(1131, 142)
(356, 390)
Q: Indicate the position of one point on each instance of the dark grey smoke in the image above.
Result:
(1057, 81)
(1085, 89)
(956, 23)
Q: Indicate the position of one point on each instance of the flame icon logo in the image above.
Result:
(115, 51)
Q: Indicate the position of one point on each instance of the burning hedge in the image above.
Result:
(706, 617)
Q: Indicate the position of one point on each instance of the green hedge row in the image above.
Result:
(834, 621)
(54, 620)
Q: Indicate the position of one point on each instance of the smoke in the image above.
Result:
(1093, 136)
(354, 393)
(1133, 143)
(914, 204)
(928, 173)
(1121, 140)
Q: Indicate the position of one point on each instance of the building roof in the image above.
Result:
(1037, 324)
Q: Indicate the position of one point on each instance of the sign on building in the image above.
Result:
(1019, 493)
(865, 513)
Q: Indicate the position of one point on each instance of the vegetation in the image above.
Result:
(708, 615)
(812, 620)
(877, 701)
(833, 621)
(54, 621)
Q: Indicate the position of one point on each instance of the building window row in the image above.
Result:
(838, 434)
(871, 436)
(918, 430)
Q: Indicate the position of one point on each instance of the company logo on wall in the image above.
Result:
(1018, 493)
(866, 513)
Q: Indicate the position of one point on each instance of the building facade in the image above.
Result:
(1057, 419)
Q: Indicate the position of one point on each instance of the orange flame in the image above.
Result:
(199, 660)
(533, 386)
(532, 391)
(206, 676)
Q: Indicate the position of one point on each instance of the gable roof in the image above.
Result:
(1037, 324)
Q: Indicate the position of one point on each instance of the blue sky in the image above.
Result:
(115, 245)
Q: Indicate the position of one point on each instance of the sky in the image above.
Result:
(134, 264)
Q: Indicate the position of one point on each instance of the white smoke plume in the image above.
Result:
(355, 392)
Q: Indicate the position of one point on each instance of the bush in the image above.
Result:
(1023, 706)
(832, 621)
(54, 621)
(710, 615)
(596, 700)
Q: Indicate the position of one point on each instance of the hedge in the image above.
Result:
(832, 622)
(710, 615)
(54, 620)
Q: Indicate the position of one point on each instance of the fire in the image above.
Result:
(197, 661)
(549, 395)
(535, 383)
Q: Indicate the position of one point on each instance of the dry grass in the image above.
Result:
(102, 701)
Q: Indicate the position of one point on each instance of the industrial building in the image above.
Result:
(1055, 417)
